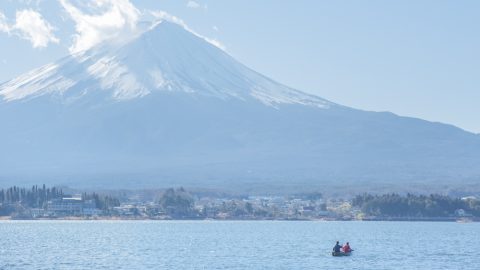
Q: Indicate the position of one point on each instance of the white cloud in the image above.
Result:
(215, 28)
(3, 23)
(112, 19)
(193, 4)
(162, 15)
(97, 21)
(29, 2)
(30, 25)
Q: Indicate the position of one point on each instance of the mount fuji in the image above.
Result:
(169, 108)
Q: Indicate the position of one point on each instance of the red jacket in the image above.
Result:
(346, 248)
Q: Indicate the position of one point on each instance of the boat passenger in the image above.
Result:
(346, 248)
(337, 247)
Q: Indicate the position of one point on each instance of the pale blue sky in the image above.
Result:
(414, 58)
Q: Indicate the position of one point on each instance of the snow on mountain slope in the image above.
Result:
(165, 57)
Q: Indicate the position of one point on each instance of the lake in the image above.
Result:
(236, 245)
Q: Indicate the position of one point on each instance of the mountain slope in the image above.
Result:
(168, 108)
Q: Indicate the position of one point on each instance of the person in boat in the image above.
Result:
(346, 248)
(337, 248)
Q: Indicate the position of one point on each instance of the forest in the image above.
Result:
(15, 199)
(410, 205)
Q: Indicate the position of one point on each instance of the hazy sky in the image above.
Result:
(414, 58)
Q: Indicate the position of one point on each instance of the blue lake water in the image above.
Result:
(236, 245)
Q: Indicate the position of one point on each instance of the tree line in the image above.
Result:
(410, 205)
(106, 203)
(16, 199)
(35, 197)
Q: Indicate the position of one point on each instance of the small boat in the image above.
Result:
(340, 254)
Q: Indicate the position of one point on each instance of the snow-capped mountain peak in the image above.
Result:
(165, 57)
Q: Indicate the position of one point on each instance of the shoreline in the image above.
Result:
(445, 219)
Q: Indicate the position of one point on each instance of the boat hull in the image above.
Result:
(341, 254)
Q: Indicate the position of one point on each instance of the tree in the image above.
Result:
(177, 203)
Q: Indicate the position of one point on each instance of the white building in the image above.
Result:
(72, 206)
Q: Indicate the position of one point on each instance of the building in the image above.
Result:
(72, 206)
